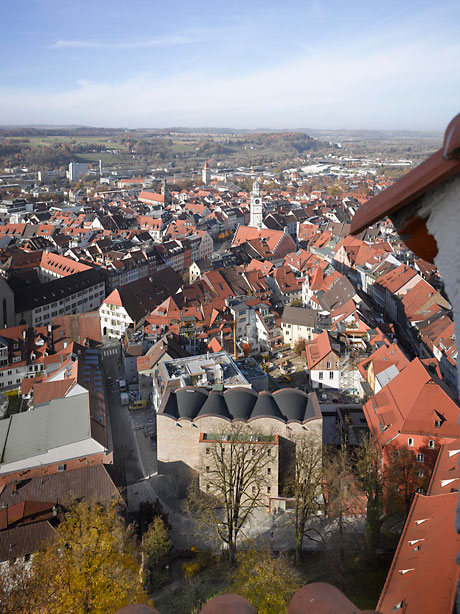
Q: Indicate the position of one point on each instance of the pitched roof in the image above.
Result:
(27, 539)
(446, 473)
(424, 572)
(318, 349)
(300, 316)
(438, 168)
(412, 403)
(93, 483)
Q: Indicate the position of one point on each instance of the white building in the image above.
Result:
(206, 174)
(298, 323)
(77, 170)
(256, 207)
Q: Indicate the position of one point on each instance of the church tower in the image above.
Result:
(256, 207)
(206, 174)
(165, 192)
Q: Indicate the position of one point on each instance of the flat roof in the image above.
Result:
(58, 423)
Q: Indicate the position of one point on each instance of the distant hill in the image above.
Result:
(328, 135)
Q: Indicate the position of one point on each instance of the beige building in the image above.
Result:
(189, 417)
(298, 323)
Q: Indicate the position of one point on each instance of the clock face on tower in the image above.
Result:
(257, 201)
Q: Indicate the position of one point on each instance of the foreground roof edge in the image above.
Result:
(400, 201)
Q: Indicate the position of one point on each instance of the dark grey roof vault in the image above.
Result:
(189, 402)
(266, 406)
(214, 405)
(240, 402)
(292, 404)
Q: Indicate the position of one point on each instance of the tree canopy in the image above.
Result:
(92, 567)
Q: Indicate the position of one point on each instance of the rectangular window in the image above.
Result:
(410, 441)
(207, 469)
(320, 375)
(437, 424)
(269, 489)
(62, 467)
(331, 374)
(328, 365)
(420, 458)
(269, 471)
(431, 444)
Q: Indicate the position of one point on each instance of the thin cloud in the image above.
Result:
(143, 44)
(389, 17)
(409, 86)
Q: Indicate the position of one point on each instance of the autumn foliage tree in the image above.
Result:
(407, 471)
(266, 582)
(91, 567)
(155, 546)
(299, 346)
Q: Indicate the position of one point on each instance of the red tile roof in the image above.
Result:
(438, 168)
(318, 349)
(412, 403)
(446, 472)
(424, 572)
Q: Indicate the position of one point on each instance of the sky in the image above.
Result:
(324, 64)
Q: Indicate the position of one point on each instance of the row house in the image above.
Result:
(285, 285)
(323, 362)
(129, 304)
(273, 244)
(22, 353)
(378, 369)
(298, 323)
(437, 337)
(37, 304)
(413, 410)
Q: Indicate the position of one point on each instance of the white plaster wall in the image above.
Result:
(442, 209)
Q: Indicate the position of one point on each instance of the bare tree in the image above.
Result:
(342, 494)
(305, 487)
(369, 471)
(236, 471)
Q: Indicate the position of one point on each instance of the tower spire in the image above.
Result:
(256, 207)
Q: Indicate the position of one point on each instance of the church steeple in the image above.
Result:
(205, 173)
(165, 191)
(256, 207)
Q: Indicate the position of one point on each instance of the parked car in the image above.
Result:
(137, 405)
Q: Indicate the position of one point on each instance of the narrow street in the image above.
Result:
(126, 457)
